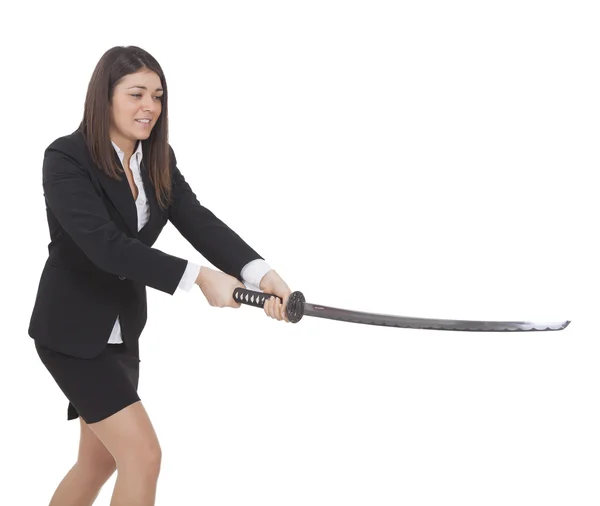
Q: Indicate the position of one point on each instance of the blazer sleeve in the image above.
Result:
(71, 196)
(212, 238)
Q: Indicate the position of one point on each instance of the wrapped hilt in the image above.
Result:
(294, 308)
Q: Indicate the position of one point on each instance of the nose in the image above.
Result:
(150, 105)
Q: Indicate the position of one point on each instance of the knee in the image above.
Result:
(142, 461)
(153, 459)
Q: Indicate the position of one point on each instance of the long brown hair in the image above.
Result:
(115, 64)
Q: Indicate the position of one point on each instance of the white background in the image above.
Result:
(429, 159)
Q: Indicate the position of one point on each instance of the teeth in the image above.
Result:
(143, 120)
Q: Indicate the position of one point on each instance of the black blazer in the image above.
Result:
(98, 265)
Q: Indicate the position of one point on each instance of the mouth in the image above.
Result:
(144, 123)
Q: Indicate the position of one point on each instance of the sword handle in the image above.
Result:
(294, 307)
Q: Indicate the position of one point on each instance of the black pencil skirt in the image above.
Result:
(98, 387)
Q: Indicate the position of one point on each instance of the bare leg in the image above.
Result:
(130, 438)
(94, 466)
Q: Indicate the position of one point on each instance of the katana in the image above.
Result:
(297, 307)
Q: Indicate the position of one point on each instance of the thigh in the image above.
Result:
(129, 436)
(92, 452)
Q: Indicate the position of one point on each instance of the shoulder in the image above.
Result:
(71, 142)
(66, 156)
(72, 145)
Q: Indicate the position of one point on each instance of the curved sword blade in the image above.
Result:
(297, 307)
(409, 322)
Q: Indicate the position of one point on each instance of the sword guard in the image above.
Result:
(294, 308)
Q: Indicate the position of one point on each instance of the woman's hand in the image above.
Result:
(271, 282)
(218, 287)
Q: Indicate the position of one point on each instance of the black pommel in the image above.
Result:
(295, 307)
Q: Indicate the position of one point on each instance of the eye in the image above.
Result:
(138, 95)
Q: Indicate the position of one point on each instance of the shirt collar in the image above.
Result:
(138, 151)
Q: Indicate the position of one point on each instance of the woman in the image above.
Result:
(90, 307)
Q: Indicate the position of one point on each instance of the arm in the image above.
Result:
(252, 274)
(212, 238)
(70, 195)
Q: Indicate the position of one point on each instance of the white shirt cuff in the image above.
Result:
(253, 272)
(189, 276)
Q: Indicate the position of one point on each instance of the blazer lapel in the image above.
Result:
(150, 196)
(120, 195)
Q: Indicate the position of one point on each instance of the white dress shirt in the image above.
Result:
(252, 272)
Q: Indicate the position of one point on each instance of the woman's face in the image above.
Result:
(136, 97)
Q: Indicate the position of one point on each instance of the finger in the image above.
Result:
(278, 308)
(283, 313)
(273, 307)
(269, 307)
(287, 319)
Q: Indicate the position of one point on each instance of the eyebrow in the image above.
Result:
(144, 88)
